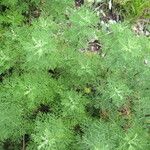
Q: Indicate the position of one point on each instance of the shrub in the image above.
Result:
(68, 84)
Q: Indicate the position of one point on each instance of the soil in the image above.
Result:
(79, 3)
(94, 46)
(142, 27)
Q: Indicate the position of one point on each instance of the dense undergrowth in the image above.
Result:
(68, 83)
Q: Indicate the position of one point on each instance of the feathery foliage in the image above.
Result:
(66, 83)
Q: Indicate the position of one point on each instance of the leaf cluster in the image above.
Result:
(61, 94)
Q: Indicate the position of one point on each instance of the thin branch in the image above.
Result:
(23, 143)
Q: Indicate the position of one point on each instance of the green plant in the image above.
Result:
(133, 10)
(18, 12)
(67, 84)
